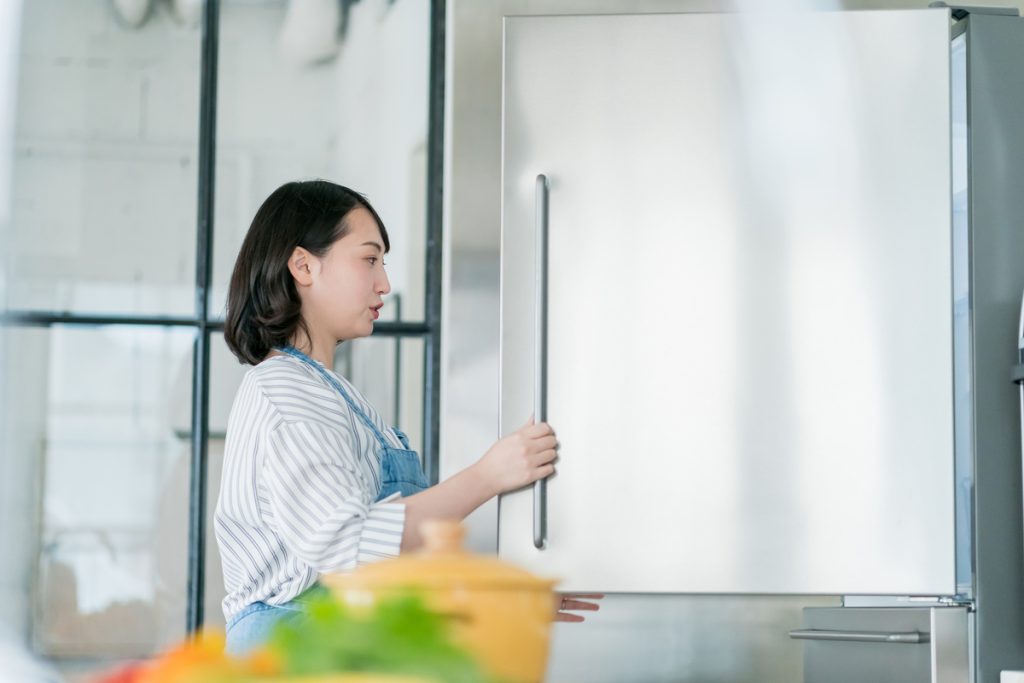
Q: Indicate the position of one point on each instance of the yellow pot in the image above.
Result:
(501, 614)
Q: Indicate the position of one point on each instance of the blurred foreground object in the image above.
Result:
(398, 641)
(502, 614)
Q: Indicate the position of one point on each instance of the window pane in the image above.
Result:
(103, 208)
(96, 456)
(358, 117)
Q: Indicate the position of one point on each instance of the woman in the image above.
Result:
(314, 480)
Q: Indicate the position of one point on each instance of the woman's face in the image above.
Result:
(349, 281)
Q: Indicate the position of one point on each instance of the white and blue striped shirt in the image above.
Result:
(297, 494)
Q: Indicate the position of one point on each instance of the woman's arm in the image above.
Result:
(318, 502)
(518, 460)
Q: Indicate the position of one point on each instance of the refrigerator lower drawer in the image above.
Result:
(884, 645)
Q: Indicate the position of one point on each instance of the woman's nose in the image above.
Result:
(383, 283)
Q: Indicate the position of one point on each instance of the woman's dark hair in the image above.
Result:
(263, 307)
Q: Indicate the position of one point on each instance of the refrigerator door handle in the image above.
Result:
(1020, 327)
(1017, 373)
(899, 638)
(540, 404)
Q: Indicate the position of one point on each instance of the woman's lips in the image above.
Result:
(376, 311)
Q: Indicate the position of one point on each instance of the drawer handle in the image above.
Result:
(899, 638)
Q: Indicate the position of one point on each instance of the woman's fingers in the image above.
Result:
(542, 458)
(542, 472)
(537, 430)
(565, 616)
(520, 458)
(579, 605)
(545, 443)
(576, 602)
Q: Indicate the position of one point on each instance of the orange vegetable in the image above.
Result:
(202, 660)
(126, 674)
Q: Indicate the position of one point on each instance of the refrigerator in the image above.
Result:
(761, 272)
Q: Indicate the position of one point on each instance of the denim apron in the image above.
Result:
(400, 472)
(400, 469)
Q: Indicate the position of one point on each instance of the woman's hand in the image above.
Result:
(566, 603)
(519, 459)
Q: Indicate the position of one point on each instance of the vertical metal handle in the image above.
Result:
(1018, 372)
(1020, 326)
(540, 388)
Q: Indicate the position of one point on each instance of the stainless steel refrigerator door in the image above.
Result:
(749, 319)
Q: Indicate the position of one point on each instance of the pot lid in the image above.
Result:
(442, 562)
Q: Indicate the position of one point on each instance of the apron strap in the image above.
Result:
(295, 353)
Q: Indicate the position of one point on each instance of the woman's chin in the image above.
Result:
(362, 330)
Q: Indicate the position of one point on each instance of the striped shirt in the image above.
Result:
(297, 494)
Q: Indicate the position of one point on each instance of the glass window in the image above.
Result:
(103, 196)
(97, 418)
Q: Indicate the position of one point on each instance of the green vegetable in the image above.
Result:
(400, 636)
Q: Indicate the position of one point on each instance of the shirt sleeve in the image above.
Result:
(323, 509)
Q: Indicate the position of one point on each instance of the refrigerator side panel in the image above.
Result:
(749, 315)
(995, 111)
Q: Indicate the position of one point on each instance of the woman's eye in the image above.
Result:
(372, 260)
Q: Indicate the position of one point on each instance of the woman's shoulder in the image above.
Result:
(278, 367)
(281, 373)
(292, 389)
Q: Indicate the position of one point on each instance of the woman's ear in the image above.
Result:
(300, 265)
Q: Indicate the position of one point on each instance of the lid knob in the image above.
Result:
(442, 536)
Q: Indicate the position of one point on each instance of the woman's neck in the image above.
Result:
(321, 349)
